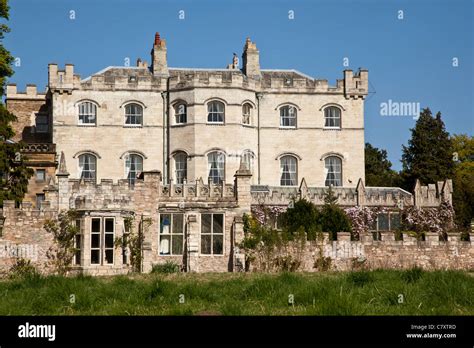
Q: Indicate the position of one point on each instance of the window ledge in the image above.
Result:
(86, 125)
(288, 127)
(331, 128)
(132, 126)
(179, 125)
(216, 123)
(247, 125)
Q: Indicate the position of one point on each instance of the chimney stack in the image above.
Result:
(251, 60)
(158, 57)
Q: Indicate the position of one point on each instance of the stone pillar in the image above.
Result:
(387, 236)
(192, 243)
(343, 236)
(63, 184)
(242, 188)
(238, 236)
(432, 237)
(409, 239)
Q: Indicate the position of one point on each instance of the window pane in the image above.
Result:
(217, 245)
(165, 244)
(109, 240)
(109, 225)
(206, 223)
(382, 222)
(95, 225)
(394, 221)
(334, 171)
(218, 220)
(95, 256)
(178, 223)
(95, 240)
(165, 223)
(206, 244)
(109, 256)
(177, 245)
(288, 171)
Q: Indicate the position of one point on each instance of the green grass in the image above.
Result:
(351, 293)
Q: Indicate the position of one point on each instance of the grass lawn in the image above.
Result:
(380, 292)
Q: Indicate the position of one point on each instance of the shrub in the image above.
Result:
(412, 275)
(304, 214)
(166, 268)
(287, 263)
(22, 269)
(333, 220)
(322, 263)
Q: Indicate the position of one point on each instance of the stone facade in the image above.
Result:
(159, 90)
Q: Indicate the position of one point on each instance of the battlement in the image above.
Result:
(62, 80)
(30, 93)
(424, 196)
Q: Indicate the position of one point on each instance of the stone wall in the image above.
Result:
(368, 253)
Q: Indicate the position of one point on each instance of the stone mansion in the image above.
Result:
(192, 150)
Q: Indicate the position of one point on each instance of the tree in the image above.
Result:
(14, 174)
(64, 230)
(305, 215)
(378, 169)
(333, 218)
(463, 195)
(429, 155)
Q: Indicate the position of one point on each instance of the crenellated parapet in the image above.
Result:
(424, 196)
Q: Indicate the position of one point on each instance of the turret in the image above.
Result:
(158, 57)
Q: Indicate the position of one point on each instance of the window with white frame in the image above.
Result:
(87, 166)
(133, 167)
(288, 171)
(332, 117)
(247, 159)
(133, 114)
(288, 116)
(40, 175)
(102, 240)
(247, 114)
(212, 234)
(42, 123)
(181, 167)
(171, 234)
(87, 113)
(333, 165)
(216, 167)
(215, 112)
(180, 113)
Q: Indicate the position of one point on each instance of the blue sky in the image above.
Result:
(409, 60)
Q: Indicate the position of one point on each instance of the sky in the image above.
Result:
(421, 55)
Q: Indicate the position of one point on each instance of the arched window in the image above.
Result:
(87, 113)
(133, 115)
(181, 167)
(247, 114)
(133, 167)
(288, 116)
(247, 159)
(216, 167)
(332, 117)
(215, 112)
(333, 166)
(180, 113)
(87, 166)
(288, 171)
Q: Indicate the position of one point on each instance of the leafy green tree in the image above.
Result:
(463, 180)
(429, 155)
(378, 169)
(333, 218)
(14, 174)
(305, 215)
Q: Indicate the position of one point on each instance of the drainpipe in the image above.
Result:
(259, 96)
(166, 132)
